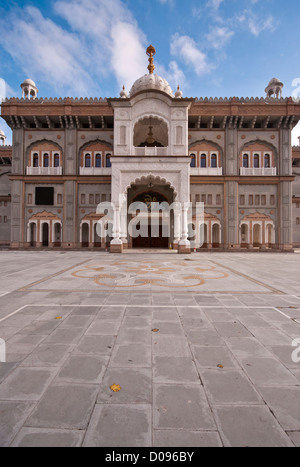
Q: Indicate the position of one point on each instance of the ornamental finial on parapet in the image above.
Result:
(151, 52)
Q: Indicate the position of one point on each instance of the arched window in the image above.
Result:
(46, 160)
(87, 161)
(35, 159)
(98, 161)
(203, 161)
(256, 161)
(214, 161)
(267, 163)
(246, 161)
(193, 161)
(108, 162)
(56, 160)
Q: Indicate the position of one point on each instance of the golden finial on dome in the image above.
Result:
(151, 52)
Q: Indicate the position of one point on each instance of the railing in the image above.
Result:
(208, 171)
(44, 170)
(151, 151)
(270, 172)
(95, 171)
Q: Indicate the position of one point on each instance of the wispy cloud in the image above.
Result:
(219, 37)
(74, 60)
(185, 49)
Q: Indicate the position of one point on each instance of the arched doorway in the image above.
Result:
(270, 235)
(152, 224)
(45, 234)
(33, 234)
(153, 229)
(97, 238)
(244, 235)
(216, 236)
(85, 232)
(204, 235)
(256, 235)
(57, 235)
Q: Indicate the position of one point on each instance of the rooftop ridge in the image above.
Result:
(97, 100)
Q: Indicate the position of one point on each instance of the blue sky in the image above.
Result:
(92, 47)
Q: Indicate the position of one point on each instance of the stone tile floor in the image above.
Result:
(205, 363)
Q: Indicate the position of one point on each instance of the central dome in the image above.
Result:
(151, 82)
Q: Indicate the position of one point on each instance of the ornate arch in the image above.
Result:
(206, 141)
(145, 179)
(95, 141)
(42, 141)
(262, 142)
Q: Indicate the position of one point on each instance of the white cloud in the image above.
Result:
(255, 23)
(173, 74)
(185, 48)
(219, 37)
(96, 45)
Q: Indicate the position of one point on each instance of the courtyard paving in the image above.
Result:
(199, 348)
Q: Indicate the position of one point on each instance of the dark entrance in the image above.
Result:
(45, 234)
(157, 236)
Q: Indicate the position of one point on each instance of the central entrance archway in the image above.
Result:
(153, 224)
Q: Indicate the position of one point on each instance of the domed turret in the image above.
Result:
(29, 89)
(151, 81)
(274, 88)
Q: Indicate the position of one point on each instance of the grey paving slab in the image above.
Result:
(83, 369)
(170, 369)
(60, 407)
(295, 437)
(172, 346)
(26, 384)
(285, 405)
(46, 438)
(135, 386)
(243, 347)
(102, 327)
(95, 345)
(48, 355)
(131, 355)
(179, 438)
(229, 387)
(6, 368)
(268, 371)
(12, 416)
(181, 407)
(232, 329)
(120, 426)
(250, 427)
(211, 357)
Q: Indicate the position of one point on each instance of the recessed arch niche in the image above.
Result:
(150, 132)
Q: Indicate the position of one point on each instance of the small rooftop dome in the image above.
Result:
(274, 88)
(29, 89)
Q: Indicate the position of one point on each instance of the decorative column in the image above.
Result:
(124, 225)
(177, 229)
(116, 245)
(184, 244)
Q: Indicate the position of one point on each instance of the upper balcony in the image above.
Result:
(44, 170)
(258, 172)
(207, 171)
(94, 171)
(155, 151)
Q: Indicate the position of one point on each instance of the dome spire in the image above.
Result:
(151, 52)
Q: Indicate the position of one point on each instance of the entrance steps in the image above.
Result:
(149, 251)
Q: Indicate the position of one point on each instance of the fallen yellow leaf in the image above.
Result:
(115, 388)
(59, 317)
